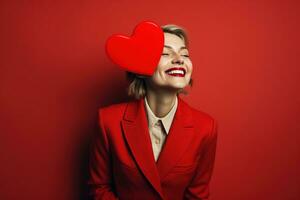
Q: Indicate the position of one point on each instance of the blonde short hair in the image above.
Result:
(137, 84)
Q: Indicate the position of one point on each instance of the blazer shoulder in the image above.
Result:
(202, 114)
(204, 119)
(199, 116)
(114, 112)
(117, 107)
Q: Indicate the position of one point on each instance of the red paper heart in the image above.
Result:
(139, 53)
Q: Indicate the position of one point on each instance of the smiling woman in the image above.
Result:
(155, 147)
(175, 37)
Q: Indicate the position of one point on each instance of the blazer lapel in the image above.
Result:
(135, 128)
(178, 139)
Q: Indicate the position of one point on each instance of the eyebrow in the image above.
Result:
(172, 48)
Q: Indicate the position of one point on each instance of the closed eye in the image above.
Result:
(166, 54)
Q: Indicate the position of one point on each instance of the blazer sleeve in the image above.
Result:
(199, 186)
(100, 167)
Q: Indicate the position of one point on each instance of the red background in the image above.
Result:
(55, 74)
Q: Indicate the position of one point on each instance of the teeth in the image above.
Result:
(175, 72)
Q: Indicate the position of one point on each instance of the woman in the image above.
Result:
(157, 146)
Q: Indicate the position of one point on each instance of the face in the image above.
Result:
(174, 69)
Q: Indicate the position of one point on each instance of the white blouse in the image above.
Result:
(159, 127)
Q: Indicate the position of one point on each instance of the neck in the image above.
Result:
(160, 101)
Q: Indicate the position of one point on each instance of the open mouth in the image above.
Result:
(176, 71)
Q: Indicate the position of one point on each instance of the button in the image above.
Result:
(156, 141)
(157, 124)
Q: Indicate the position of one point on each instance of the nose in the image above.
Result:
(177, 59)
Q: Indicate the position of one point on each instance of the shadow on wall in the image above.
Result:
(113, 92)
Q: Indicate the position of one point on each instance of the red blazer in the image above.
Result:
(122, 164)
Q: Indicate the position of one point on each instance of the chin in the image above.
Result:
(171, 85)
(178, 86)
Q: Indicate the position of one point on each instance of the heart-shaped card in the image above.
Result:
(139, 53)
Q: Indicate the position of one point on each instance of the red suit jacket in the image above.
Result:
(122, 164)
